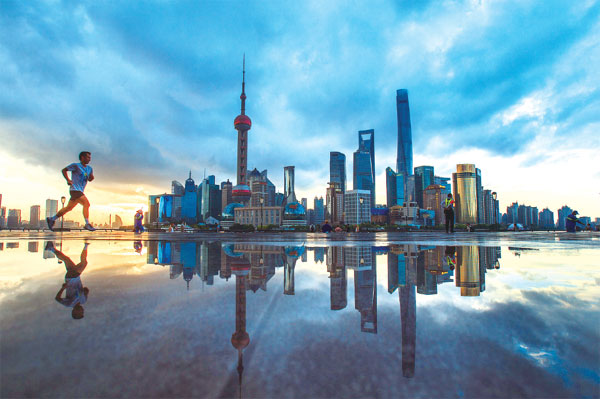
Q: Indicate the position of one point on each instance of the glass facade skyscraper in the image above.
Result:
(464, 184)
(189, 205)
(424, 177)
(337, 169)
(404, 159)
(288, 185)
(394, 187)
(364, 163)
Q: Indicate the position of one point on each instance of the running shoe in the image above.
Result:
(50, 223)
(89, 227)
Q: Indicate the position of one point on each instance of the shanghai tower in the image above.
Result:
(404, 159)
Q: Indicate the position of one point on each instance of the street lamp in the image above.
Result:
(262, 201)
(62, 201)
(157, 200)
(359, 215)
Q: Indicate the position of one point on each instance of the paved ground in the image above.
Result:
(519, 239)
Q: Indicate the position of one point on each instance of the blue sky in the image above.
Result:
(152, 88)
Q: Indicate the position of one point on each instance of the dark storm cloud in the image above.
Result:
(154, 86)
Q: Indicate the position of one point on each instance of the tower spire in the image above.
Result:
(243, 95)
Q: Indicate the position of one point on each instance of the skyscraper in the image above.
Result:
(464, 184)
(364, 163)
(433, 196)
(288, 185)
(562, 216)
(34, 216)
(424, 177)
(404, 159)
(394, 187)
(479, 189)
(226, 188)
(242, 123)
(189, 203)
(337, 169)
(177, 188)
(319, 208)
(546, 219)
(51, 207)
(211, 199)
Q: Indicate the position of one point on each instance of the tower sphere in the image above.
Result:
(242, 122)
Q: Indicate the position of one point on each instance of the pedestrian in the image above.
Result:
(571, 222)
(326, 228)
(81, 173)
(448, 205)
(137, 223)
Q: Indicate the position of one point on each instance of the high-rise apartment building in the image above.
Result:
(226, 188)
(51, 207)
(443, 181)
(394, 185)
(433, 197)
(319, 208)
(546, 218)
(364, 163)
(357, 205)
(404, 159)
(34, 216)
(464, 184)
(337, 169)
(562, 216)
(424, 177)
(13, 221)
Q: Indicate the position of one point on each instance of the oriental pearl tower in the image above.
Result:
(242, 123)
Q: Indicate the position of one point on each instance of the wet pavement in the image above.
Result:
(420, 314)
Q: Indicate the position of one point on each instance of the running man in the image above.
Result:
(75, 293)
(81, 173)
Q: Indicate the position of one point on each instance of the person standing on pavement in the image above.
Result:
(448, 205)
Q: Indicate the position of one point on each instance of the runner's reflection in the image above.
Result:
(75, 293)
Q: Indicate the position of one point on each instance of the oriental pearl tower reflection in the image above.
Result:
(240, 339)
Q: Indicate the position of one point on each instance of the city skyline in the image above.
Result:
(150, 104)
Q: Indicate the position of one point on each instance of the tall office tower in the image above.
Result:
(464, 184)
(404, 159)
(258, 187)
(177, 188)
(562, 216)
(546, 219)
(242, 123)
(226, 188)
(409, 189)
(394, 186)
(51, 207)
(364, 163)
(319, 208)
(479, 189)
(279, 199)
(334, 203)
(34, 216)
(211, 199)
(433, 197)
(337, 169)
(3, 217)
(467, 271)
(487, 207)
(424, 177)
(288, 185)
(304, 203)
(497, 215)
(189, 203)
(13, 220)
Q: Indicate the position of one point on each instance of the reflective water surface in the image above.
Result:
(226, 319)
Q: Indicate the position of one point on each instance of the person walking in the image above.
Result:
(138, 226)
(571, 222)
(448, 205)
(81, 173)
(326, 228)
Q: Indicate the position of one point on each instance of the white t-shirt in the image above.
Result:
(79, 175)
